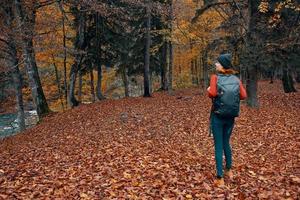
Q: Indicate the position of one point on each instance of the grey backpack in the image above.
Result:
(227, 102)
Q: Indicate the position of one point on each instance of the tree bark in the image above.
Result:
(98, 20)
(65, 59)
(58, 83)
(164, 68)
(93, 97)
(73, 74)
(100, 96)
(170, 81)
(205, 71)
(147, 52)
(251, 87)
(60, 4)
(79, 86)
(14, 66)
(125, 81)
(171, 53)
(80, 48)
(287, 80)
(252, 41)
(297, 76)
(272, 76)
(17, 78)
(27, 26)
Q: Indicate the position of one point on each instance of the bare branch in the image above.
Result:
(200, 11)
(45, 3)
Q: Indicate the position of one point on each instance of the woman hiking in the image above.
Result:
(226, 91)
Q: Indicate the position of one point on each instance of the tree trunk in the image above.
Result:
(16, 75)
(58, 83)
(253, 39)
(197, 71)
(73, 73)
(287, 80)
(251, 87)
(17, 79)
(65, 60)
(272, 76)
(171, 53)
(297, 76)
(92, 85)
(79, 47)
(192, 71)
(164, 68)
(125, 81)
(80, 86)
(100, 96)
(205, 71)
(60, 4)
(99, 22)
(19, 96)
(170, 69)
(27, 26)
(147, 53)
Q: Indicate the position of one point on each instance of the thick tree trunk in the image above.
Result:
(192, 71)
(251, 87)
(60, 4)
(79, 86)
(79, 47)
(196, 71)
(298, 77)
(30, 62)
(147, 53)
(253, 39)
(93, 97)
(287, 81)
(16, 75)
(205, 71)
(164, 68)
(19, 97)
(125, 81)
(100, 96)
(58, 83)
(65, 60)
(99, 25)
(171, 53)
(73, 73)
(170, 69)
(17, 79)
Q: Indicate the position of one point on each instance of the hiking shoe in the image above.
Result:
(219, 182)
(229, 174)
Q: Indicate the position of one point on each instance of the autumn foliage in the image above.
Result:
(156, 148)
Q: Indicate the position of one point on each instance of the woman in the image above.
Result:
(226, 90)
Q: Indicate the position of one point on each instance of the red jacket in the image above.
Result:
(212, 90)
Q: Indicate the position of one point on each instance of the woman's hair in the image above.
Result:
(227, 71)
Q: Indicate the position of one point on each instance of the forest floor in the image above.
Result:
(155, 148)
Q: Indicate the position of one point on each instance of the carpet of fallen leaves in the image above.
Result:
(155, 148)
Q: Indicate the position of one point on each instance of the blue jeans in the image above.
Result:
(222, 129)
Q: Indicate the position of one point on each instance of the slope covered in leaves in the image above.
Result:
(154, 148)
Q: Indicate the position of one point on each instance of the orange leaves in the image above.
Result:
(161, 151)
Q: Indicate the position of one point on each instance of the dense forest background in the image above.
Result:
(55, 54)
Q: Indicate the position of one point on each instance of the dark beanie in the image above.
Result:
(225, 60)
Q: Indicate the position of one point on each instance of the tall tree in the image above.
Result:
(13, 61)
(170, 47)
(147, 92)
(253, 41)
(80, 46)
(99, 27)
(26, 20)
